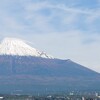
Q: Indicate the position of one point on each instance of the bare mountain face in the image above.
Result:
(27, 70)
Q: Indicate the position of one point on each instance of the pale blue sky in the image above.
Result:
(67, 29)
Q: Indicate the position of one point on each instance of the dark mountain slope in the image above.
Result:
(31, 74)
(41, 66)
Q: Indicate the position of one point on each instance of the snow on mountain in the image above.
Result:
(13, 46)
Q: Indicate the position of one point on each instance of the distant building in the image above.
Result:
(83, 98)
(1, 98)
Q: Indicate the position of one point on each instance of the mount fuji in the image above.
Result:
(26, 70)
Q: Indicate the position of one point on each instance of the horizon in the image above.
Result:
(64, 29)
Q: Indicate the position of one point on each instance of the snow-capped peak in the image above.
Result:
(13, 46)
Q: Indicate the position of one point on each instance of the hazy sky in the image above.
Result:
(67, 29)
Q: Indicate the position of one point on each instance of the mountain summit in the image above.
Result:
(13, 46)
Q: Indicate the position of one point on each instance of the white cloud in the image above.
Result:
(69, 15)
(40, 5)
(36, 6)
